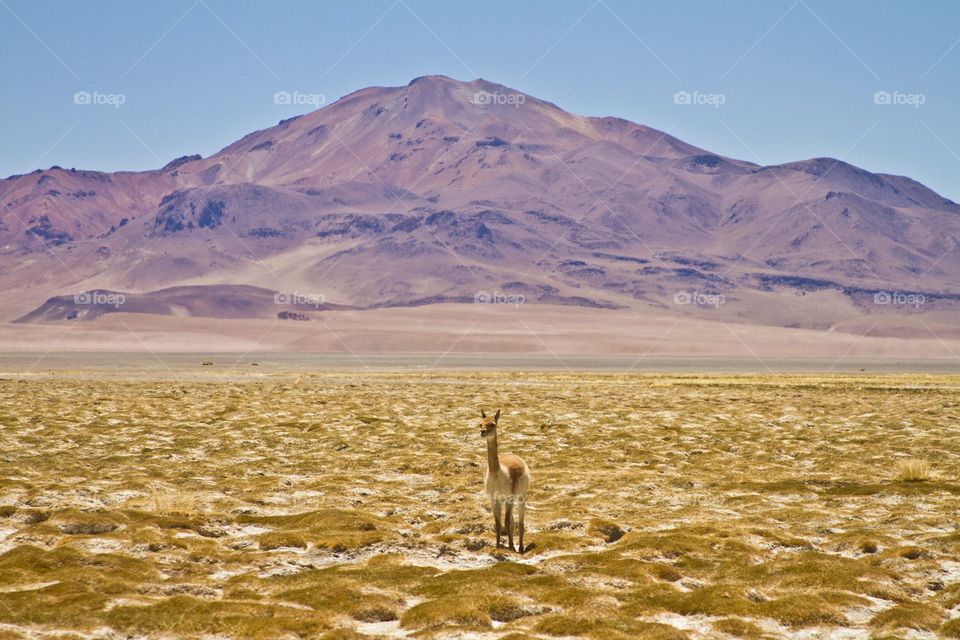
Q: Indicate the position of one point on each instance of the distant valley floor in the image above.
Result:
(533, 336)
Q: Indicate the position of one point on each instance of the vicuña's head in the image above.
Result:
(488, 426)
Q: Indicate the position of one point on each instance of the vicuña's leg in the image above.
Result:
(509, 508)
(495, 505)
(522, 507)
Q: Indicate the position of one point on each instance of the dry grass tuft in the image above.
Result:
(868, 545)
(909, 615)
(609, 531)
(913, 470)
(173, 503)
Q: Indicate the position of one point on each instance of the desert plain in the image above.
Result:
(287, 501)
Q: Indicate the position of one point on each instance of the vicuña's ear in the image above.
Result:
(496, 416)
(482, 414)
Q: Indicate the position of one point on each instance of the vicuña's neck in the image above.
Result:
(492, 460)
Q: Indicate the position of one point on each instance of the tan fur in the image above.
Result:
(506, 481)
(515, 467)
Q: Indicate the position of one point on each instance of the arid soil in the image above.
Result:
(350, 505)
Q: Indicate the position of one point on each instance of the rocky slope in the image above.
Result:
(446, 191)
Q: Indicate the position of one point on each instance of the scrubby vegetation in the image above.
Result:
(351, 506)
(913, 470)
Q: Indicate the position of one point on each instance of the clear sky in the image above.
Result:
(794, 79)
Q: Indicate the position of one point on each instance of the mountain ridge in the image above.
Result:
(470, 193)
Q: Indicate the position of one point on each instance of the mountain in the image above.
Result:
(444, 191)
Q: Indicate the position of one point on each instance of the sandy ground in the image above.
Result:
(550, 331)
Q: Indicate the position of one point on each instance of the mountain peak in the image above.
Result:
(446, 83)
(434, 80)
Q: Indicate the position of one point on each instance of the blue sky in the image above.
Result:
(796, 79)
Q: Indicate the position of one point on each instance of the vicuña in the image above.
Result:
(506, 482)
